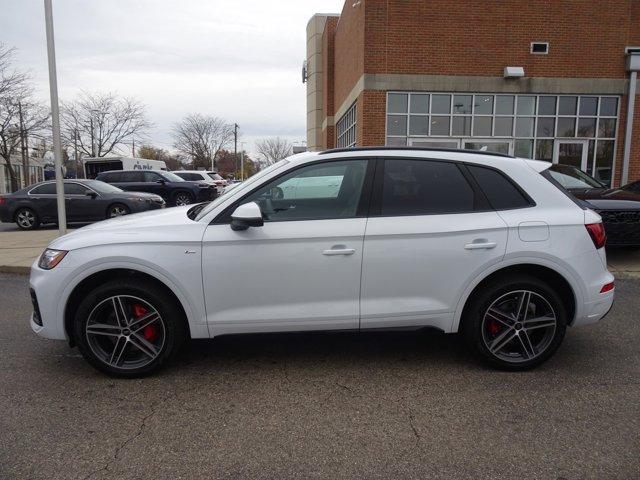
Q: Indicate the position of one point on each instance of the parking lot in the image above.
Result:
(383, 405)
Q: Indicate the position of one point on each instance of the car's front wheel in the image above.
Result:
(516, 322)
(128, 328)
(117, 210)
(26, 219)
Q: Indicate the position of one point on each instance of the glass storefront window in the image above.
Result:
(504, 104)
(607, 128)
(567, 105)
(588, 106)
(604, 161)
(462, 103)
(439, 125)
(544, 150)
(546, 127)
(523, 148)
(526, 105)
(524, 127)
(397, 103)
(483, 105)
(566, 127)
(482, 126)
(419, 125)
(441, 104)
(397, 125)
(419, 103)
(504, 127)
(547, 106)
(461, 126)
(608, 107)
(587, 127)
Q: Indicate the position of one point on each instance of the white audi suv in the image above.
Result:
(352, 239)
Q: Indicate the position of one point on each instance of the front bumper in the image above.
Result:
(48, 288)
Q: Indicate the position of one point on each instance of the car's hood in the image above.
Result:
(608, 198)
(156, 226)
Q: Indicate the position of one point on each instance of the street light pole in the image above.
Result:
(55, 116)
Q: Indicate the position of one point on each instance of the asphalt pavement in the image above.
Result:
(383, 405)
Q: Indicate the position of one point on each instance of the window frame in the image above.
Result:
(531, 202)
(31, 192)
(362, 210)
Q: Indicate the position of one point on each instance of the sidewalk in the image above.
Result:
(19, 249)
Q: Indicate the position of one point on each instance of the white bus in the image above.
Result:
(93, 166)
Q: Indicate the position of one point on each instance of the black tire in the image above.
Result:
(26, 219)
(530, 339)
(97, 309)
(181, 197)
(117, 210)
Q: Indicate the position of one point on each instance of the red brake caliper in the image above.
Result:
(493, 327)
(149, 332)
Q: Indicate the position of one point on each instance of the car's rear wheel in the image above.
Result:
(128, 328)
(182, 198)
(117, 210)
(27, 219)
(515, 323)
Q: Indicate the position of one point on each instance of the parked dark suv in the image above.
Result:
(169, 186)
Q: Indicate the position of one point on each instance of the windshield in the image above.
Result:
(102, 187)
(215, 176)
(243, 186)
(572, 177)
(172, 177)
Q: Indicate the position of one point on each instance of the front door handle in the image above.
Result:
(339, 250)
(480, 244)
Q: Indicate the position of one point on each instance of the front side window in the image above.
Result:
(423, 187)
(151, 177)
(131, 177)
(321, 191)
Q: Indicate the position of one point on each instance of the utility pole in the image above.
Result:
(242, 161)
(55, 116)
(235, 146)
(75, 153)
(133, 147)
(93, 143)
(23, 147)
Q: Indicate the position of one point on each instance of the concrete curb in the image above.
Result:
(19, 270)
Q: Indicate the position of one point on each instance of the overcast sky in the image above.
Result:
(236, 59)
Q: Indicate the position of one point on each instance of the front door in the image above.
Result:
(571, 152)
(301, 269)
(428, 233)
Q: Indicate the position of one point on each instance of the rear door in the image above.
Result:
(430, 232)
(43, 200)
(132, 181)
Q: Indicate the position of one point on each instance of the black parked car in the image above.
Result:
(85, 201)
(169, 186)
(618, 207)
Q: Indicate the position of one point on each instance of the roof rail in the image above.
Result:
(420, 149)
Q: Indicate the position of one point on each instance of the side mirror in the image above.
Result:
(245, 216)
(91, 194)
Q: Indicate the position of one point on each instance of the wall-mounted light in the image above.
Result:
(513, 72)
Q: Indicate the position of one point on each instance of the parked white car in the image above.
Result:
(213, 178)
(384, 238)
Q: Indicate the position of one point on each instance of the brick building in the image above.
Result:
(546, 79)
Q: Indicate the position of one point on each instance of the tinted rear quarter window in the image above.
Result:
(424, 187)
(500, 191)
(189, 176)
(110, 177)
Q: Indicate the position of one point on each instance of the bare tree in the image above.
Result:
(98, 123)
(274, 149)
(201, 137)
(21, 117)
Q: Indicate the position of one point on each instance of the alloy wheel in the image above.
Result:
(125, 332)
(519, 326)
(26, 219)
(117, 211)
(182, 199)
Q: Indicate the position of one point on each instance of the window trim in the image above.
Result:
(362, 210)
(480, 201)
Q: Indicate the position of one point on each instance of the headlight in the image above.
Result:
(50, 258)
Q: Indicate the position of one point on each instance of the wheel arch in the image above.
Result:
(97, 278)
(546, 273)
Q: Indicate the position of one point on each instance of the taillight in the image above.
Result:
(607, 287)
(2, 200)
(597, 234)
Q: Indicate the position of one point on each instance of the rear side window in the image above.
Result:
(423, 187)
(46, 189)
(151, 177)
(110, 177)
(189, 176)
(132, 177)
(500, 191)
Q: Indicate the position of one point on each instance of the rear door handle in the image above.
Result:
(479, 245)
(339, 250)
